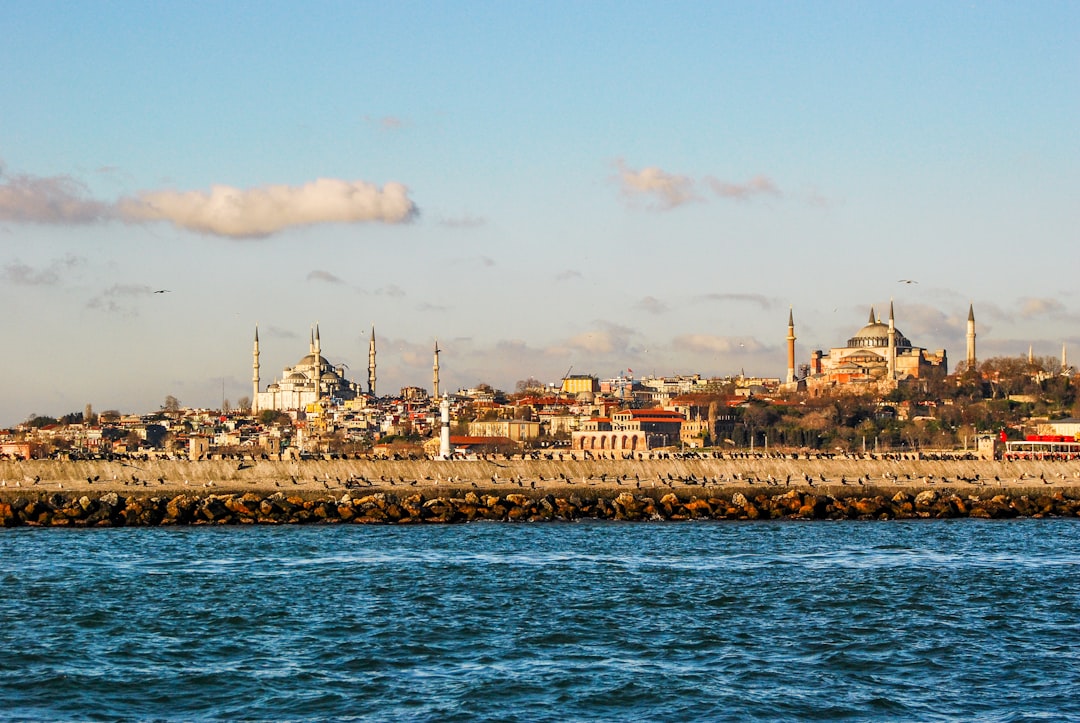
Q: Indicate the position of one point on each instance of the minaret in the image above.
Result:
(371, 363)
(790, 347)
(1064, 359)
(1031, 353)
(317, 351)
(435, 373)
(255, 374)
(971, 338)
(892, 344)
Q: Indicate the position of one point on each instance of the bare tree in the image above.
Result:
(172, 404)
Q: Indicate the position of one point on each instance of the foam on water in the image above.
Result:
(944, 620)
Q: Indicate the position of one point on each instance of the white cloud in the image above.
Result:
(667, 190)
(259, 212)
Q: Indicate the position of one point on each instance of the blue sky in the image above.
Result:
(612, 186)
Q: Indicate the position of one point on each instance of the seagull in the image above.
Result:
(163, 291)
(907, 281)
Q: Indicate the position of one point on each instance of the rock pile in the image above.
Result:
(114, 510)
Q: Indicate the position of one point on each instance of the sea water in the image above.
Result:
(932, 620)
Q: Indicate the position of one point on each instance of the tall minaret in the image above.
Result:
(255, 374)
(371, 363)
(971, 338)
(435, 372)
(317, 351)
(1031, 353)
(1064, 359)
(892, 344)
(790, 347)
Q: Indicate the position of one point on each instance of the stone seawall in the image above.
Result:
(176, 492)
(114, 510)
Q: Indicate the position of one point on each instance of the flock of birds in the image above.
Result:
(636, 481)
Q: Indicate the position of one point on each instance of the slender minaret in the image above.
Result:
(255, 374)
(971, 338)
(1031, 353)
(317, 351)
(1064, 358)
(371, 363)
(790, 347)
(892, 344)
(435, 372)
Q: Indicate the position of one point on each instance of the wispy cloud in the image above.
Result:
(652, 305)
(710, 344)
(756, 186)
(57, 200)
(428, 306)
(387, 122)
(763, 301)
(121, 299)
(567, 275)
(21, 274)
(1033, 307)
(663, 190)
(392, 290)
(324, 276)
(462, 222)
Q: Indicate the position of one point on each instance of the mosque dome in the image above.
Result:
(310, 360)
(296, 377)
(876, 333)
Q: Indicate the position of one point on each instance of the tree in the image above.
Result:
(172, 404)
(527, 385)
(244, 404)
(225, 406)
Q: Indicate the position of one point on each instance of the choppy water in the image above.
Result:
(943, 620)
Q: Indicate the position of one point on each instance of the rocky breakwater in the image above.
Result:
(114, 510)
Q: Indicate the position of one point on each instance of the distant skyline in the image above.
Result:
(607, 185)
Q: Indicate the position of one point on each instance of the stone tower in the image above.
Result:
(255, 374)
(790, 347)
(971, 338)
(435, 373)
(317, 351)
(892, 344)
(371, 363)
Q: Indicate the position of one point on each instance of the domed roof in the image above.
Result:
(296, 377)
(875, 333)
(310, 361)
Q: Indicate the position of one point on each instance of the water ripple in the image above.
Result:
(943, 620)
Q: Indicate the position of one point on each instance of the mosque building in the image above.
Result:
(877, 359)
(309, 381)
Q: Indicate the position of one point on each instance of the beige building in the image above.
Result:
(517, 430)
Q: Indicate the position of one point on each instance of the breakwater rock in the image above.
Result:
(114, 510)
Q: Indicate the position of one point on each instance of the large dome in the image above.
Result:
(875, 333)
(310, 360)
